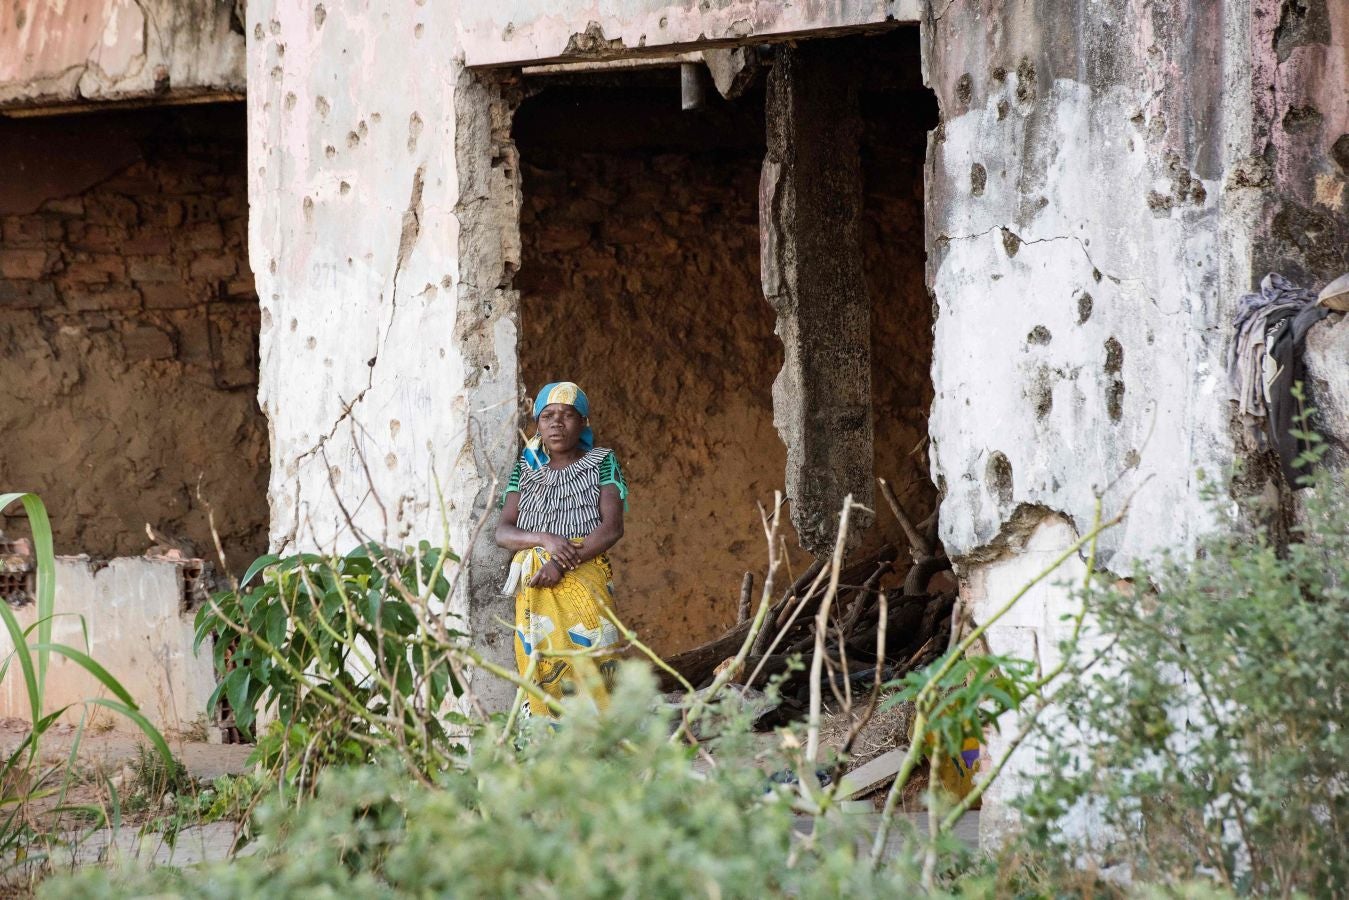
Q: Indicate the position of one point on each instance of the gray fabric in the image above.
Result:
(1266, 362)
(1256, 313)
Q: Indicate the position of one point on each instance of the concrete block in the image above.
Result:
(132, 610)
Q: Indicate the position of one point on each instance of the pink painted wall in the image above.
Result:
(82, 51)
(1300, 62)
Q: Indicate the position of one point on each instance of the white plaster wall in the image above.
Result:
(1034, 629)
(1156, 286)
(353, 239)
(383, 217)
(1109, 180)
(131, 611)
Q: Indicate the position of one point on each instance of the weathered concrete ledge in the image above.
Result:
(137, 618)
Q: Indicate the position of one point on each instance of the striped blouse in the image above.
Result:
(566, 501)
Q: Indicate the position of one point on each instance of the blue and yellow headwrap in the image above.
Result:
(558, 392)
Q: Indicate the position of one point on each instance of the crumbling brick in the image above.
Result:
(173, 295)
(153, 268)
(213, 268)
(147, 342)
(37, 229)
(89, 299)
(26, 294)
(25, 263)
(101, 268)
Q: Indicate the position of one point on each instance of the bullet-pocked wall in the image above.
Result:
(128, 330)
(640, 280)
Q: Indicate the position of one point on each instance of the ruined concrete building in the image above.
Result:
(298, 259)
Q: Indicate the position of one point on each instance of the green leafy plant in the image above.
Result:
(230, 798)
(608, 804)
(24, 777)
(153, 775)
(353, 654)
(1208, 740)
(605, 806)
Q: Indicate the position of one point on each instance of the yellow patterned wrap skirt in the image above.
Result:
(571, 618)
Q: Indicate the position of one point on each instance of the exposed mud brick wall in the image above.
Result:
(897, 114)
(639, 281)
(128, 330)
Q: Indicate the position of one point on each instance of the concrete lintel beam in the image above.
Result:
(666, 61)
(523, 32)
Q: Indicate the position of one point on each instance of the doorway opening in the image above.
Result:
(640, 280)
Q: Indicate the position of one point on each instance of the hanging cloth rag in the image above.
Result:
(1256, 313)
(1284, 368)
(1266, 361)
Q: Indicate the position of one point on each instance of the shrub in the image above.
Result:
(352, 653)
(1210, 740)
(603, 806)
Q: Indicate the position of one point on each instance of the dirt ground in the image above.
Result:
(110, 751)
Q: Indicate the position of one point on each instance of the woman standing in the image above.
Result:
(563, 509)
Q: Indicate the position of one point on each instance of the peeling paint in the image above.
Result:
(513, 32)
(92, 51)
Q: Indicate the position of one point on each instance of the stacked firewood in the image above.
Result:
(918, 619)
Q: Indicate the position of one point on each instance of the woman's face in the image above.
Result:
(560, 427)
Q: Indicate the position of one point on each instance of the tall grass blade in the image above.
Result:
(45, 552)
(150, 731)
(25, 657)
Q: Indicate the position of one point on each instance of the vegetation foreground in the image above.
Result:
(1195, 746)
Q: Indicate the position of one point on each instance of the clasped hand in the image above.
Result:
(564, 556)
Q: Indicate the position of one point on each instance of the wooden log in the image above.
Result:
(915, 583)
(851, 574)
(858, 601)
(919, 546)
(775, 665)
(698, 664)
(903, 628)
(746, 592)
(797, 592)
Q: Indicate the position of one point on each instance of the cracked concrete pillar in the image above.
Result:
(810, 202)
